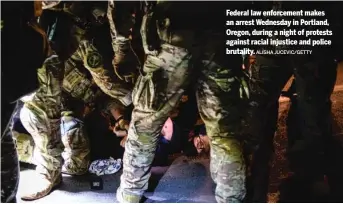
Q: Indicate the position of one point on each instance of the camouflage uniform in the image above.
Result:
(188, 51)
(9, 168)
(23, 139)
(41, 115)
(315, 78)
(21, 36)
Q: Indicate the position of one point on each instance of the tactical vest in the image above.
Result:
(77, 84)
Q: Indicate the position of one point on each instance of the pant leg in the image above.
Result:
(154, 96)
(41, 118)
(314, 84)
(268, 76)
(317, 152)
(6, 115)
(261, 158)
(9, 166)
(9, 169)
(220, 106)
(22, 138)
(76, 154)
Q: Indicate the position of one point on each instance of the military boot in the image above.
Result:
(127, 198)
(68, 169)
(43, 185)
(48, 147)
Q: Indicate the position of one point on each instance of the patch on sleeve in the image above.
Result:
(94, 59)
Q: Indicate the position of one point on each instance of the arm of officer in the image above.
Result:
(122, 19)
(105, 79)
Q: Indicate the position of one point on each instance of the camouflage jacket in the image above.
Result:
(88, 56)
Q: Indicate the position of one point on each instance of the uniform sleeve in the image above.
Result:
(104, 78)
(122, 19)
(48, 96)
(148, 30)
(76, 83)
(121, 22)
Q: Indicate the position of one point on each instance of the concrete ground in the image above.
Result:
(185, 180)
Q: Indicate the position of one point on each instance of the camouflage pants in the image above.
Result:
(76, 154)
(75, 141)
(41, 117)
(315, 80)
(9, 167)
(47, 139)
(23, 139)
(158, 92)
